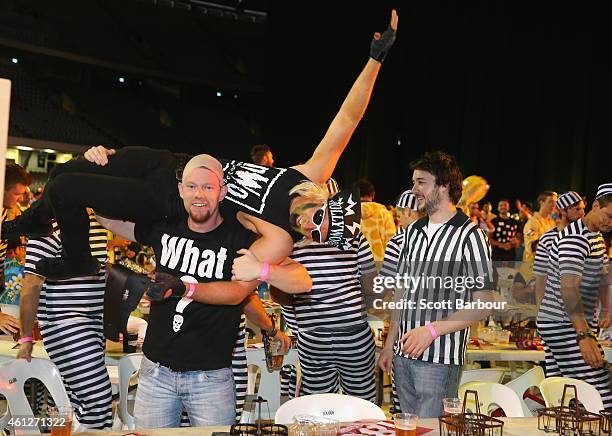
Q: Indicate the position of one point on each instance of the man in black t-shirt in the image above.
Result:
(195, 313)
(504, 238)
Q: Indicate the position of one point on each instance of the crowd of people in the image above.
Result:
(217, 228)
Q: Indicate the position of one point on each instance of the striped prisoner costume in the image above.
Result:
(70, 318)
(576, 251)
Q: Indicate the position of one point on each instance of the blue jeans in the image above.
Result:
(421, 386)
(208, 397)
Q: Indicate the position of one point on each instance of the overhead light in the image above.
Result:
(235, 96)
(15, 60)
(219, 94)
(49, 150)
(24, 148)
(121, 80)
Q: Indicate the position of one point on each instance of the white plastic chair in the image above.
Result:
(333, 406)
(269, 382)
(588, 395)
(531, 378)
(492, 396)
(493, 375)
(13, 375)
(128, 366)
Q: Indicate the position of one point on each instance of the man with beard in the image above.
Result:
(577, 277)
(432, 328)
(195, 314)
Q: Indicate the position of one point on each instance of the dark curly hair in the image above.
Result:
(444, 167)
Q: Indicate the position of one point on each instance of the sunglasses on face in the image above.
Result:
(317, 220)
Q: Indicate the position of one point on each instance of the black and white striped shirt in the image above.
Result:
(540, 263)
(458, 249)
(336, 299)
(577, 251)
(76, 299)
(392, 254)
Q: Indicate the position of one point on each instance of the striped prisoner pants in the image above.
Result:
(563, 359)
(77, 350)
(344, 360)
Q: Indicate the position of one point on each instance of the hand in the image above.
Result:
(590, 352)
(25, 351)
(416, 341)
(285, 341)
(385, 360)
(99, 155)
(246, 267)
(8, 324)
(381, 44)
(165, 286)
(604, 318)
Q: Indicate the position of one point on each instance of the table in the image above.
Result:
(509, 353)
(512, 427)
(114, 350)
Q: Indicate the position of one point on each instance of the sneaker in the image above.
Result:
(26, 224)
(61, 269)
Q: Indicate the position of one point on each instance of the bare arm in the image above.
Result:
(125, 229)
(289, 276)
(223, 293)
(540, 286)
(321, 165)
(28, 306)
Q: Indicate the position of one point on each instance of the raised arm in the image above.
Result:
(321, 165)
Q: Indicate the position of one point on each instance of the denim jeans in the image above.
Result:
(421, 386)
(208, 397)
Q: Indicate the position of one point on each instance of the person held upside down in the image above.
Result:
(139, 184)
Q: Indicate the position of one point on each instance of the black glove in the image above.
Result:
(380, 47)
(164, 281)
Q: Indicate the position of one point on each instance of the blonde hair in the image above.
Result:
(312, 191)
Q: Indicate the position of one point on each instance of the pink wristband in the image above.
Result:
(191, 289)
(26, 339)
(432, 330)
(265, 271)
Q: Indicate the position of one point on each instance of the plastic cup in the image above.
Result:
(452, 406)
(405, 424)
(277, 355)
(61, 420)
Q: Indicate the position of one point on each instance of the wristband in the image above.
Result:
(191, 287)
(265, 271)
(432, 330)
(26, 339)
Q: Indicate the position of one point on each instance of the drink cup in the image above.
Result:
(277, 355)
(405, 424)
(452, 407)
(61, 420)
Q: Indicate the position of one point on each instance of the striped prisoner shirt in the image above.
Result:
(457, 249)
(392, 254)
(577, 251)
(540, 263)
(336, 299)
(75, 299)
